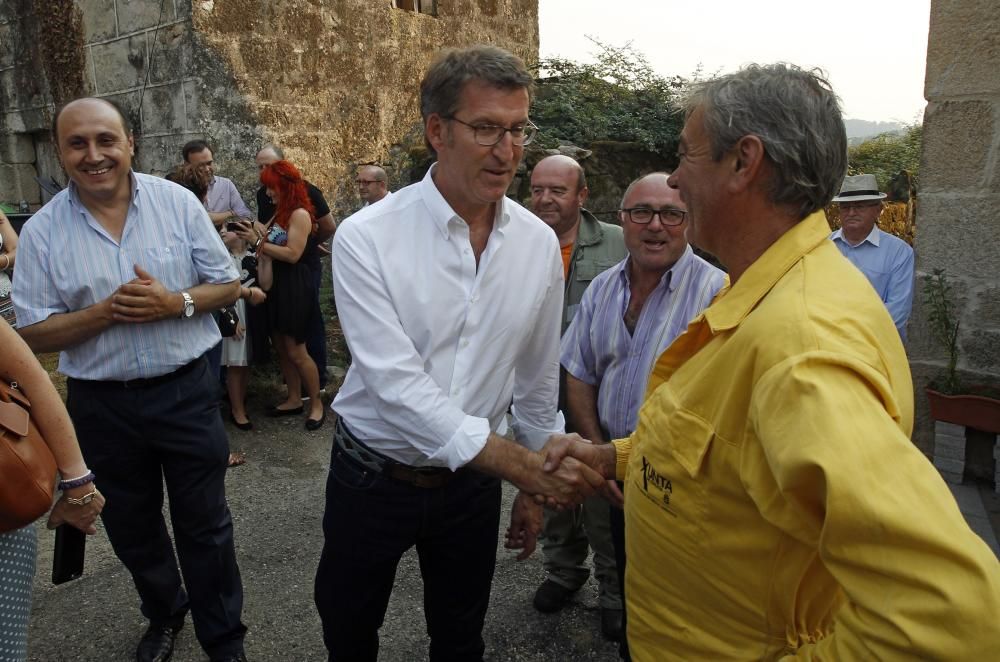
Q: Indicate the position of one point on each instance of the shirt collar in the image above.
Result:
(734, 302)
(441, 212)
(872, 238)
(671, 278)
(74, 193)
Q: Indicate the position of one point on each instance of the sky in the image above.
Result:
(874, 51)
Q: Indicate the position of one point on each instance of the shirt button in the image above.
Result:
(464, 343)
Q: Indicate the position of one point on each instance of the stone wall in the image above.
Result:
(333, 81)
(959, 214)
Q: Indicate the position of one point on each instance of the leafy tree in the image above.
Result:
(618, 97)
(887, 154)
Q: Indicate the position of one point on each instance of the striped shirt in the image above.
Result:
(598, 349)
(223, 196)
(67, 262)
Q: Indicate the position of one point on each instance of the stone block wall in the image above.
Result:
(958, 221)
(333, 81)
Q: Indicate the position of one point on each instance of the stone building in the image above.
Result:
(958, 221)
(333, 81)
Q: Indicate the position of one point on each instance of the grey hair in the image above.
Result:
(796, 115)
(280, 153)
(453, 68)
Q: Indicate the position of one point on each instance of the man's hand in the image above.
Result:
(525, 525)
(144, 299)
(566, 484)
(601, 458)
(257, 296)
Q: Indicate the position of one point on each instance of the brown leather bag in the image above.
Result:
(27, 467)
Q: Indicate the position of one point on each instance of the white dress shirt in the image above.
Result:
(441, 349)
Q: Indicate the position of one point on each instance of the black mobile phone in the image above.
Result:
(233, 226)
(67, 562)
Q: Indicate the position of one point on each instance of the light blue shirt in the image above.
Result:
(887, 261)
(223, 196)
(67, 262)
(598, 349)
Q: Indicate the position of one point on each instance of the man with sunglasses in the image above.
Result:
(450, 298)
(884, 259)
(628, 316)
(372, 183)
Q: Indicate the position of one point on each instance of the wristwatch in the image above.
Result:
(84, 500)
(188, 305)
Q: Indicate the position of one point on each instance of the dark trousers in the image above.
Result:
(618, 540)
(316, 331)
(134, 439)
(370, 521)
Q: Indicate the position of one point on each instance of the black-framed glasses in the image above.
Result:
(489, 135)
(642, 215)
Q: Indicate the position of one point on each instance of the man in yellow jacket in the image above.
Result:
(775, 507)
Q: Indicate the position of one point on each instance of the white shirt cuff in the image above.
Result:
(467, 442)
(534, 437)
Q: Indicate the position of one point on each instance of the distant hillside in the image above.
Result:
(865, 129)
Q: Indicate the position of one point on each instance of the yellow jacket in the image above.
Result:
(775, 506)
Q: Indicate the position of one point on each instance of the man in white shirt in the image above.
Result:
(450, 297)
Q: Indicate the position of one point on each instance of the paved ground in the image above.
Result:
(277, 502)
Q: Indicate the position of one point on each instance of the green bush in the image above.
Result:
(618, 98)
(887, 154)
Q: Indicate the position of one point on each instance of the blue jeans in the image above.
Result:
(370, 521)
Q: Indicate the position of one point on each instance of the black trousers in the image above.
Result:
(370, 521)
(617, 521)
(134, 440)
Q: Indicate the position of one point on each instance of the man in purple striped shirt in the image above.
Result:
(628, 316)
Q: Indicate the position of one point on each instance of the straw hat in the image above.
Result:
(859, 187)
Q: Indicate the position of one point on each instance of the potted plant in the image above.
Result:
(949, 399)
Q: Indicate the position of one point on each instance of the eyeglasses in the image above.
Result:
(365, 182)
(669, 216)
(489, 135)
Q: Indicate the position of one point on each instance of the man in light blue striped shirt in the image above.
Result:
(119, 272)
(628, 316)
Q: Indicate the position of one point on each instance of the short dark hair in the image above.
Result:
(126, 123)
(453, 68)
(195, 146)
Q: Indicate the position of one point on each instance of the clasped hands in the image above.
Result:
(143, 299)
(570, 470)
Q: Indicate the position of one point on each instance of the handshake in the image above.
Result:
(564, 473)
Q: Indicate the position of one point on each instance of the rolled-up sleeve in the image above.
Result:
(536, 372)
(211, 259)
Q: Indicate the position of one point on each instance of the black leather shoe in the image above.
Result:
(274, 412)
(611, 624)
(157, 645)
(551, 597)
(312, 424)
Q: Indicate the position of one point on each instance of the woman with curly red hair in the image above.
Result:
(288, 279)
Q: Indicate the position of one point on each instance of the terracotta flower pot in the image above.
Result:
(972, 411)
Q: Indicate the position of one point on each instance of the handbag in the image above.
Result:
(228, 320)
(27, 466)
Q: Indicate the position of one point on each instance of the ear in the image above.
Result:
(747, 158)
(582, 195)
(131, 144)
(434, 131)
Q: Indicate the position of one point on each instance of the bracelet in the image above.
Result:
(6, 264)
(256, 246)
(88, 477)
(245, 293)
(84, 500)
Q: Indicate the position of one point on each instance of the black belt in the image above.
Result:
(357, 452)
(145, 382)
